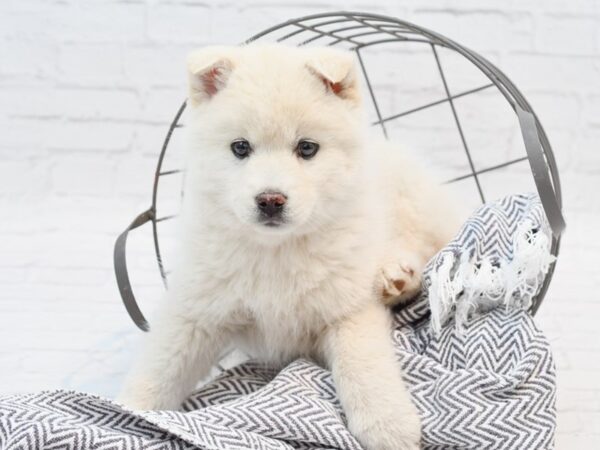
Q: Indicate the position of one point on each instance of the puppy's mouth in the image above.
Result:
(272, 222)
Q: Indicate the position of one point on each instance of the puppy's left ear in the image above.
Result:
(337, 71)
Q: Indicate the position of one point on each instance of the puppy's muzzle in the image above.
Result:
(271, 205)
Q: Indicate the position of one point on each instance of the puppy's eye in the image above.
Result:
(307, 149)
(241, 148)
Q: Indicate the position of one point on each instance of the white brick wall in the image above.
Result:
(86, 90)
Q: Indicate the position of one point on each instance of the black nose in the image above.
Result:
(270, 203)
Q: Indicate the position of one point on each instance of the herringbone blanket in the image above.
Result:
(486, 383)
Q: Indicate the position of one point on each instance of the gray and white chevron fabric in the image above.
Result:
(489, 384)
(499, 257)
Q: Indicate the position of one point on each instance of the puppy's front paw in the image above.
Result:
(136, 401)
(398, 282)
(142, 395)
(400, 430)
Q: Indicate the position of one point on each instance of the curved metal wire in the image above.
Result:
(364, 27)
(157, 174)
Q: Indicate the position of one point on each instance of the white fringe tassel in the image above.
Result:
(477, 286)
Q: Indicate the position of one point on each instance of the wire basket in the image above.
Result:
(363, 33)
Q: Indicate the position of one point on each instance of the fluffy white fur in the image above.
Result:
(362, 220)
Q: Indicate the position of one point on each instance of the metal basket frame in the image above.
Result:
(368, 30)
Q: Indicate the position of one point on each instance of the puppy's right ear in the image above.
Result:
(208, 71)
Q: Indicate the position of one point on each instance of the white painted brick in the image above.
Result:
(81, 136)
(587, 153)
(15, 255)
(578, 400)
(91, 64)
(581, 358)
(20, 178)
(560, 34)
(20, 58)
(88, 87)
(234, 24)
(13, 276)
(147, 66)
(148, 139)
(570, 422)
(188, 23)
(86, 277)
(502, 31)
(577, 440)
(442, 21)
(591, 111)
(585, 379)
(572, 7)
(577, 190)
(18, 101)
(19, 142)
(534, 71)
(111, 104)
(135, 175)
(104, 22)
(83, 175)
(161, 103)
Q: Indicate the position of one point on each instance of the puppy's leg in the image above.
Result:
(179, 350)
(369, 383)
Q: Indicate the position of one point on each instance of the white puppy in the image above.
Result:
(297, 230)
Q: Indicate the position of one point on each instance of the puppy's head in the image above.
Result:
(275, 135)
